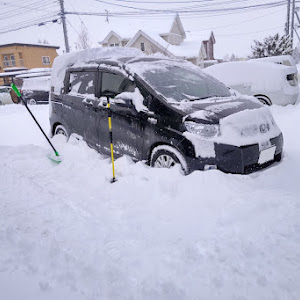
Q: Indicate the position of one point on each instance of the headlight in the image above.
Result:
(204, 130)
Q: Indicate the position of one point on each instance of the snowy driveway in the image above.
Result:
(66, 233)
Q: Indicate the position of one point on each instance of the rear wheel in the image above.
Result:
(59, 129)
(165, 156)
(264, 100)
(32, 102)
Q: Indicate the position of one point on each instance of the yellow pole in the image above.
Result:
(111, 141)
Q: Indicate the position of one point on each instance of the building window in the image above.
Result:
(143, 46)
(114, 45)
(9, 60)
(21, 59)
(46, 60)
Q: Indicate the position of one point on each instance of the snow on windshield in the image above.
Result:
(177, 82)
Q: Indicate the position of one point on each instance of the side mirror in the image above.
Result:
(123, 102)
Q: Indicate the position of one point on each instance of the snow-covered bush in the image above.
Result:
(272, 46)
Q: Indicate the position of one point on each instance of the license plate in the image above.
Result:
(266, 155)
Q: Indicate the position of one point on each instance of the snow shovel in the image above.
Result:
(56, 158)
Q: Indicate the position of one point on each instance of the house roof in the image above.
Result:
(29, 45)
(187, 49)
(126, 29)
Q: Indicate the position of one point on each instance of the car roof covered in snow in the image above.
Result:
(130, 59)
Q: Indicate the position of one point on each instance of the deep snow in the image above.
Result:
(67, 233)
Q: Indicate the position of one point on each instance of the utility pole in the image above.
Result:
(293, 21)
(297, 26)
(63, 19)
(287, 25)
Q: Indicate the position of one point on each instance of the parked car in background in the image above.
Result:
(35, 90)
(162, 111)
(5, 95)
(286, 60)
(271, 83)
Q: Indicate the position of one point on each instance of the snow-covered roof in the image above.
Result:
(30, 45)
(35, 72)
(63, 61)
(187, 49)
(156, 39)
(7, 74)
(9, 69)
(280, 59)
(126, 28)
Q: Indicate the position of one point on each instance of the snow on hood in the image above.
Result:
(245, 127)
(62, 62)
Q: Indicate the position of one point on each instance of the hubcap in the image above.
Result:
(60, 131)
(164, 161)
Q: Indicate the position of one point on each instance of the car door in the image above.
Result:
(127, 124)
(78, 106)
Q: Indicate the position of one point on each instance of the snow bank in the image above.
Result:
(67, 233)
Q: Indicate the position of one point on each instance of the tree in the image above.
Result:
(83, 41)
(272, 46)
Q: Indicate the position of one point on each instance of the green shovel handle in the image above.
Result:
(16, 90)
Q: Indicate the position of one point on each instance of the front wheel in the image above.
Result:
(264, 100)
(59, 129)
(165, 156)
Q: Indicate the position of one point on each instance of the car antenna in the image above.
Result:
(55, 158)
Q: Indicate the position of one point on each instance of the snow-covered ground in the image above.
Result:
(67, 233)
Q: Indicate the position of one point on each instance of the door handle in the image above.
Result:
(87, 103)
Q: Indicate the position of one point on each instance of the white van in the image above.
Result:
(271, 83)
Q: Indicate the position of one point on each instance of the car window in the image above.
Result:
(116, 83)
(82, 83)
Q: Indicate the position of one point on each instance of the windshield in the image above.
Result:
(177, 84)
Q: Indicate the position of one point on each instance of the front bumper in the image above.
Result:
(237, 160)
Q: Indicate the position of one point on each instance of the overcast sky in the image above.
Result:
(234, 30)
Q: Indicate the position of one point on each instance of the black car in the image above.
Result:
(165, 112)
(35, 90)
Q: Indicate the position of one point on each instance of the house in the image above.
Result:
(15, 57)
(166, 36)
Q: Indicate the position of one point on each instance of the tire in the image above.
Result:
(264, 100)
(32, 102)
(1, 103)
(165, 156)
(59, 129)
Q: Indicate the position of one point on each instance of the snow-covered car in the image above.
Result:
(35, 90)
(5, 96)
(163, 111)
(286, 60)
(271, 83)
